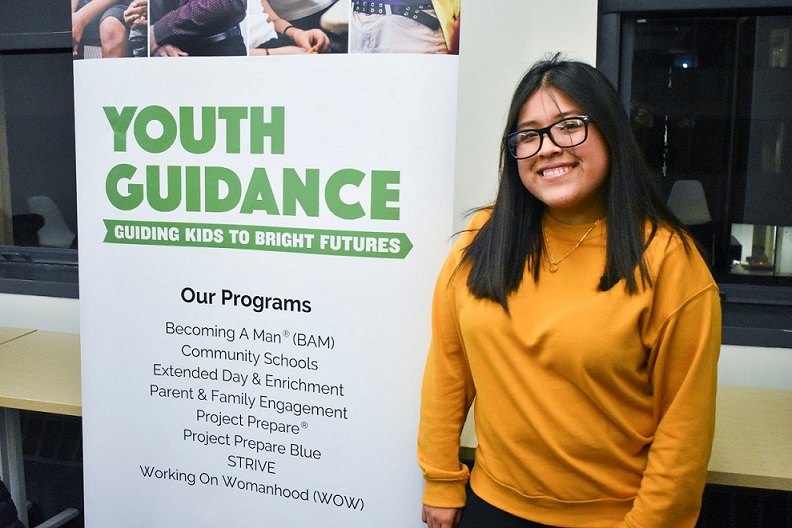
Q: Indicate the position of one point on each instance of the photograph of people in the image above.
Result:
(405, 26)
(582, 320)
(330, 16)
(270, 34)
(99, 29)
(136, 17)
(198, 28)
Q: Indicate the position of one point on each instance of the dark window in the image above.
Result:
(708, 105)
(38, 202)
(707, 87)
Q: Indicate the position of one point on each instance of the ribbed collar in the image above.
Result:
(573, 232)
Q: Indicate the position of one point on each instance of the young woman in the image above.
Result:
(582, 320)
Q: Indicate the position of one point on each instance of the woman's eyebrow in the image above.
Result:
(535, 124)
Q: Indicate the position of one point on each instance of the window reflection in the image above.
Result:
(762, 249)
(709, 104)
(779, 47)
(38, 202)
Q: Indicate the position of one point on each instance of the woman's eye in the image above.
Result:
(527, 137)
(570, 125)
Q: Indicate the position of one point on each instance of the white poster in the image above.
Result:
(259, 240)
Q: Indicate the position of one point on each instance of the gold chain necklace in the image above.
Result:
(554, 263)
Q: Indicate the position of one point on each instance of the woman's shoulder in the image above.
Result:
(663, 238)
(675, 253)
(477, 220)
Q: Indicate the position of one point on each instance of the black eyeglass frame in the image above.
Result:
(511, 142)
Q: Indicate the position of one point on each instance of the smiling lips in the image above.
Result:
(555, 171)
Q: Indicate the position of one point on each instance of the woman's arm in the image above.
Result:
(446, 396)
(313, 40)
(441, 517)
(683, 373)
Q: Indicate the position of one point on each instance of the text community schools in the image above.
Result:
(249, 398)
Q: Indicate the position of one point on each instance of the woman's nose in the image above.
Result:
(548, 146)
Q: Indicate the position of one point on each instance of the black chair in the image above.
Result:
(9, 516)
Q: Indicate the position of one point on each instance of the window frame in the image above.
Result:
(753, 315)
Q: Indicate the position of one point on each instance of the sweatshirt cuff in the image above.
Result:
(445, 493)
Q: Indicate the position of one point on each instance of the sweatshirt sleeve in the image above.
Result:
(683, 373)
(446, 396)
(198, 19)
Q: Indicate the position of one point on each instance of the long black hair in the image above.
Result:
(512, 237)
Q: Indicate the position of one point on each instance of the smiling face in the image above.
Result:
(568, 181)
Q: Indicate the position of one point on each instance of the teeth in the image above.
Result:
(555, 172)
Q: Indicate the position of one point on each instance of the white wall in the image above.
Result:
(761, 367)
(42, 313)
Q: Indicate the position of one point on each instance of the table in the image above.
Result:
(9, 334)
(40, 371)
(753, 427)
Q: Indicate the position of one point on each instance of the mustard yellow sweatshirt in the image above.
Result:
(593, 409)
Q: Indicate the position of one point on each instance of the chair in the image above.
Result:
(689, 204)
(25, 228)
(55, 232)
(8, 513)
(59, 519)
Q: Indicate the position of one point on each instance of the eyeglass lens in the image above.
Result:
(566, 133)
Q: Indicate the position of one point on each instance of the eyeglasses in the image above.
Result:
(565, 133)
